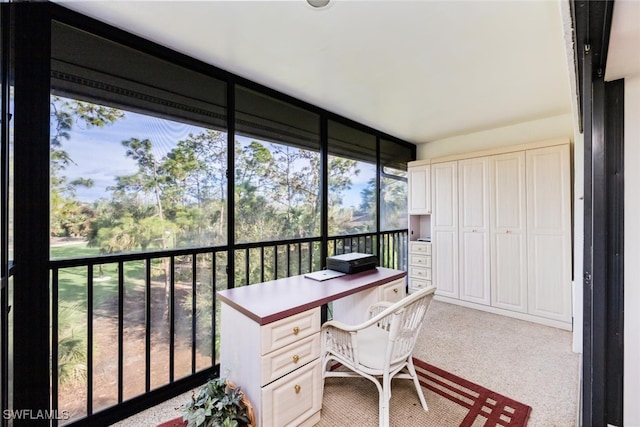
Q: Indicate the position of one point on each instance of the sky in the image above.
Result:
(98, 153)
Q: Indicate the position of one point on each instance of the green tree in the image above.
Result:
(393, 199)
(196, 188)
(341, 171)
(68, 217)
(256, 216)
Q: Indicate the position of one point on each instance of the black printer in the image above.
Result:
(354, 262)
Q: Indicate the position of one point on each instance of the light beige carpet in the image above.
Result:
(527, 362)
(354, 402)
(452, 401)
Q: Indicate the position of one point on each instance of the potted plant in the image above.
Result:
(218, 403)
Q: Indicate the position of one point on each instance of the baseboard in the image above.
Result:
(521, 316)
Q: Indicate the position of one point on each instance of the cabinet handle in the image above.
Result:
(297, 388)
(395, 290)
(295, 358)
(508, 231)
(296, 330)
(473, 231)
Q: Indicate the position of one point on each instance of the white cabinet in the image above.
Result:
(549, 232)
(473, 230)
(445, 228)
(508, 231)
(501, 232)
(419, 190)
(277, 365)
(419, 266)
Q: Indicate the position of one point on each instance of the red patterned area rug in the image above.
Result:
(486, 407)
(453, 402)
(177, 422)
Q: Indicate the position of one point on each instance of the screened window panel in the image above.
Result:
(395, 155)
(352, 180)
(268, 119)
(277, 169)
(90, 68)
(350, 143)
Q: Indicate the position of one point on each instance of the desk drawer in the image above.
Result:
(417, 284)
(287, 359)
(420, 260)
(293, 398)
(288, 330)
(423, 248)
(423, 273)
(392, 292)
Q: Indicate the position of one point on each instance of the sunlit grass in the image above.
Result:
(73, 250)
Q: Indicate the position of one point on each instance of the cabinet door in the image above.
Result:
(508, 231)
(419, 190)
(549, 232)
(473, 229)
(444, 178)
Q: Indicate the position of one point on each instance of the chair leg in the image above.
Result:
(385, 397)
(325, 361)
(416, 382)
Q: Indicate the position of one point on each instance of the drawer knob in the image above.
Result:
(395, 290)
(295, 358)
(297, 388)
(296, 330)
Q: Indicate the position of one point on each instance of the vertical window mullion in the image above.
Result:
(31, 298)
(55, 277)
(90, 338)
(172, 317)
(147, 324)
(194, 308)
(121, 296)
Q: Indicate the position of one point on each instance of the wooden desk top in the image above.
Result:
(274, 300)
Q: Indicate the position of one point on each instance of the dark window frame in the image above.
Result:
(601, 114)
(31, 39)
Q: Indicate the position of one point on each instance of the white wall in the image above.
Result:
(532, 131)
(631, 252)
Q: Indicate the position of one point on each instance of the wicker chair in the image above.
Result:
(381, 347)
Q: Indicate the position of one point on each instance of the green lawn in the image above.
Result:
(72, 282)
(72, 250)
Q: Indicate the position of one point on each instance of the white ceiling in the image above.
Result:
(624, 43)
(418, 70)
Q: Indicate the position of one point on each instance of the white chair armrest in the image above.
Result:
(335, 324)
(339, 338)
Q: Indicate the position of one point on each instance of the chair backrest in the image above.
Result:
(404, 323)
